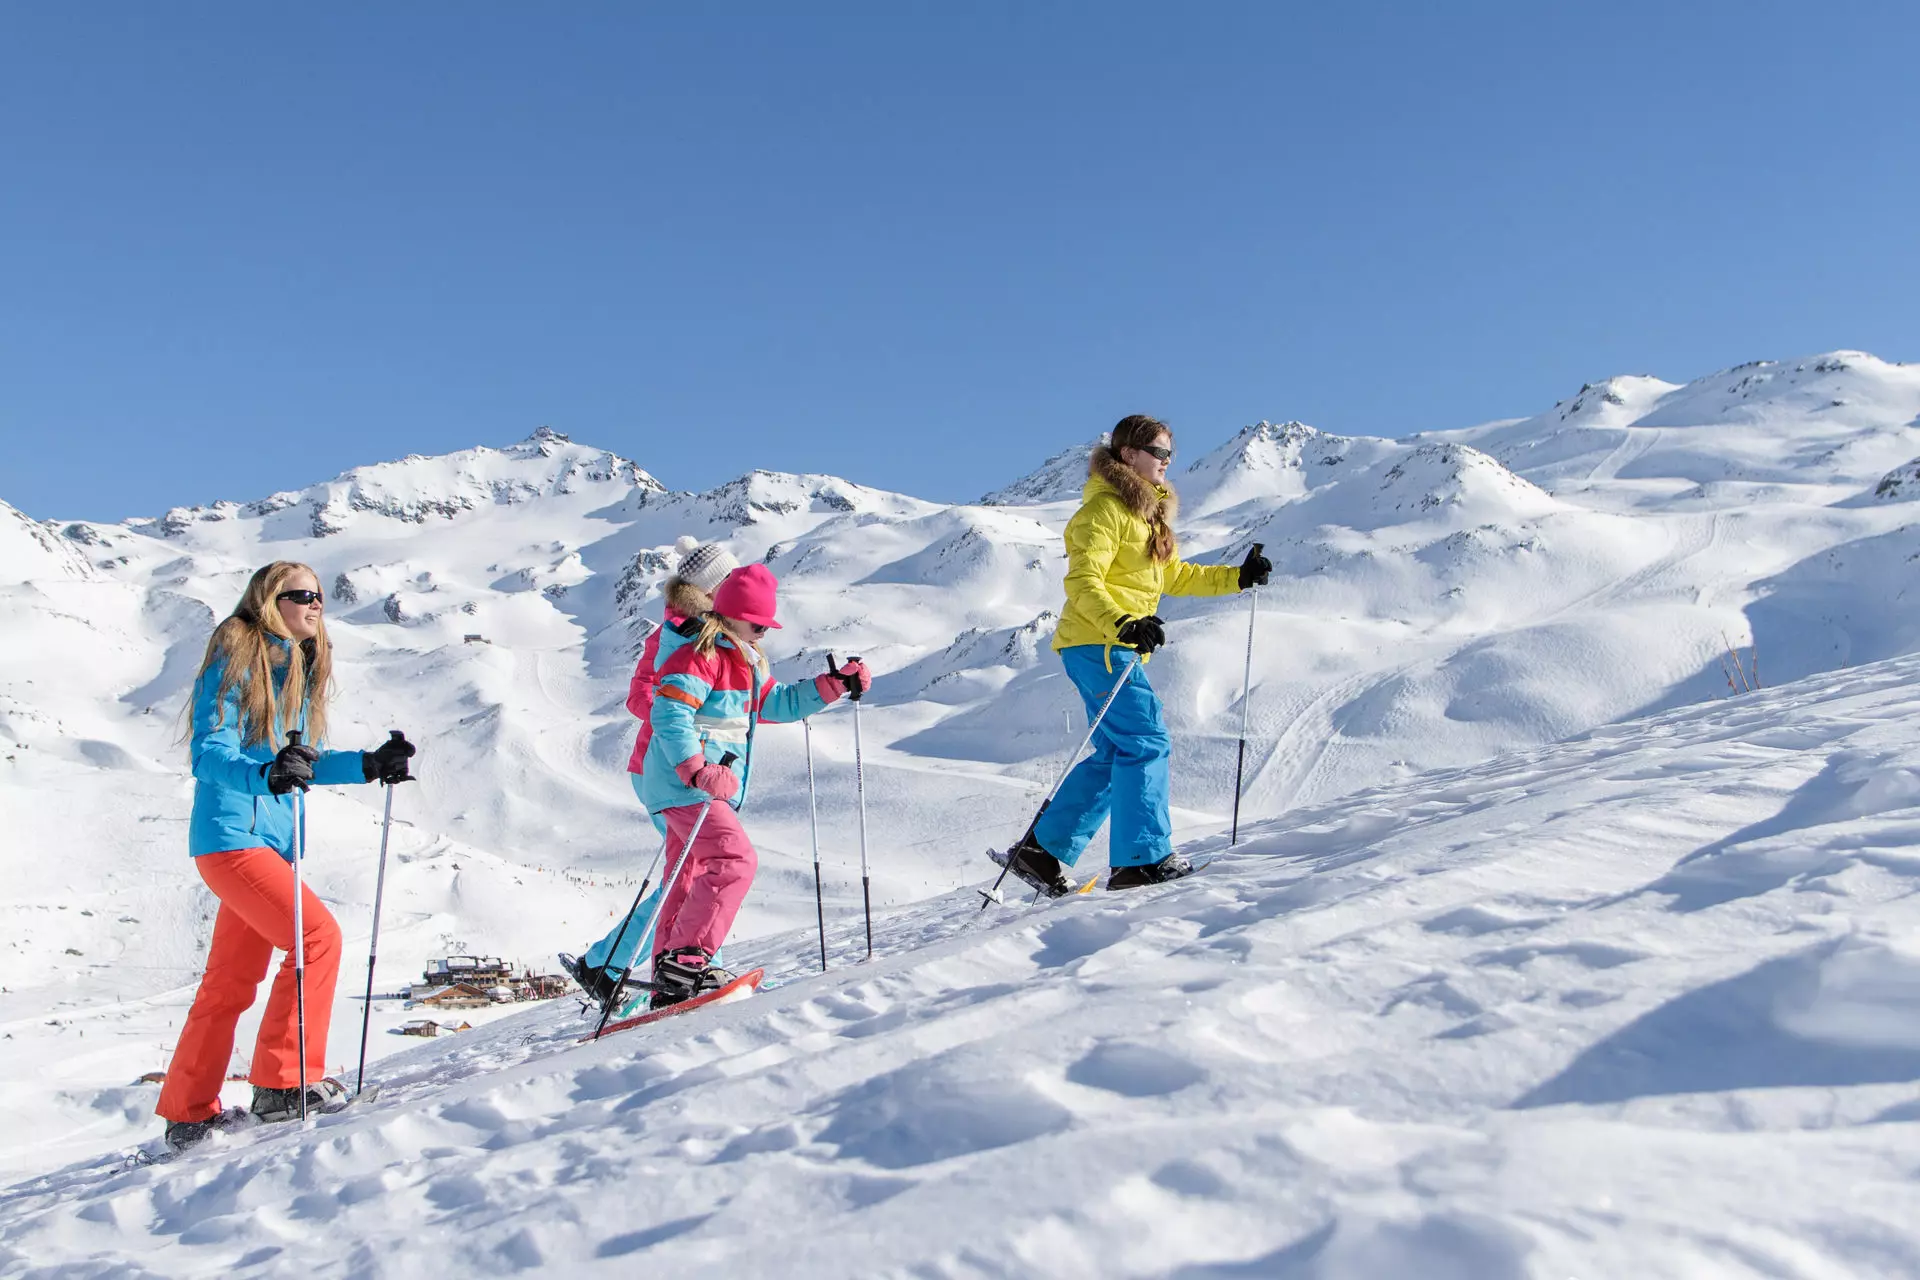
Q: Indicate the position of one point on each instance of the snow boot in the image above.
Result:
(599, 985)
(324, 1097)
(182, 1134)
(679, 976)
(1037, 868)
(1171, 867)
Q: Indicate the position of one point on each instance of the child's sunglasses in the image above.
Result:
(1165, 455)
(302, 597)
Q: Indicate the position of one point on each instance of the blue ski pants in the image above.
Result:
(1127, 773)
(638, 926)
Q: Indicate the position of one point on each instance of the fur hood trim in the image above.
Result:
(1157, 505)
(686, 599)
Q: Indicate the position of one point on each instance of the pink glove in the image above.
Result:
(716, 780)
(832, 685)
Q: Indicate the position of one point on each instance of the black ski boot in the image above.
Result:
(324, 1097)
(182, 1134)
(1037, 868)
(1171, 867)
(679, 976)
(600, 985)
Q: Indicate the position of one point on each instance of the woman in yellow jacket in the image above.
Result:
(1121, 557)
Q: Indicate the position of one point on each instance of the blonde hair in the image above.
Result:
(712, 627)
(241, 647)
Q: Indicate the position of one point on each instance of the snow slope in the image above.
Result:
(1438, 600)
(1641, 1003)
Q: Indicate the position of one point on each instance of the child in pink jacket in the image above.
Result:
(702, 568)
(714, 691)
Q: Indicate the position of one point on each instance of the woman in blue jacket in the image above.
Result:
(267, 670)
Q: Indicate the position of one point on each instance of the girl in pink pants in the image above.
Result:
(713, 693)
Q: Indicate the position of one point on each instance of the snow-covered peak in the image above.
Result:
(1058, 479)
(1273, 462)
(1614, 402)
(1853, 387)
(1842, 418)
(30, 550)
(418, 488)
(1441, 475)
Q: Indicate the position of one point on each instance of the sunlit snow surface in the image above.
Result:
(1642, 1003)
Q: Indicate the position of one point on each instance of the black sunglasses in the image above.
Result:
(302, 597)
(1165, 455)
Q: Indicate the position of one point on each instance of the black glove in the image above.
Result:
(293, 767)
(1255, 569)
(388, 762)
(1143, 634)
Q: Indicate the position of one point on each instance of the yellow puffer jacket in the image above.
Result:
(1112, 572)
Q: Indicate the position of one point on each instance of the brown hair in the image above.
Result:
(247, 657)
(1156, 507)
(1137, 431)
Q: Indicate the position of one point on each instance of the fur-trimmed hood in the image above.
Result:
(685, 599)
(1157, 505)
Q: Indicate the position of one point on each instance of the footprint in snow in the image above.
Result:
(1592, 955)
(936, 1110)
(1135, 1070)
(1076, 937)
(1473, 921)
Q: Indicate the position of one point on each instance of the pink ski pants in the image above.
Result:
(707, 894)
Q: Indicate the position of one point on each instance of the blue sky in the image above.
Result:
(245, 247)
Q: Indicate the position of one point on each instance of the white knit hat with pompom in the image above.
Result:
(703, 564)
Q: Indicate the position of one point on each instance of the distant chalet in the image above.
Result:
(471, 982)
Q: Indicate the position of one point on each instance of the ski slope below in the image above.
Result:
(1643, 1003)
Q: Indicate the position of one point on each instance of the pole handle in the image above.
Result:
(854, 687)
(293, 737)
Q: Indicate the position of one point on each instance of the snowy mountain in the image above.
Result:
(1437, 601)
(1837, 419)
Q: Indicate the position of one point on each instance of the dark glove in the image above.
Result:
(1255, 569)
(1143, 634)
(388, 762)
(293, 767)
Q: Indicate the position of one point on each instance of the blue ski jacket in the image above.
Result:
(232, 808)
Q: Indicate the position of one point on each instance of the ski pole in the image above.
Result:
(990, 896)
(854, 690)
(299, 928)
(373, 944)
(813, 821)
(620, 937)
(666, 887)
(1246, 706)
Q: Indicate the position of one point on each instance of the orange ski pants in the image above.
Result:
(255, 889)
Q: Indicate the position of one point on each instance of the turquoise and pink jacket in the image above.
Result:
(710, 703)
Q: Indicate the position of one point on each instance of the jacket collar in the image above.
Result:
(1151, 502)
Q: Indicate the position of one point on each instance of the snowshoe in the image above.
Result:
(182, 1134)
(1035, 867)
(600, 986)
(1171, 867)
(324, 1097)
(681, 975)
